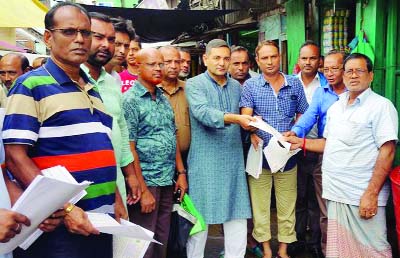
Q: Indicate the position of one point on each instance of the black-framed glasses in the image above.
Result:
(358, 72)
(72, 32)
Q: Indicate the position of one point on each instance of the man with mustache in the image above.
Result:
(55, 116)
(12, 66)
(309, 169)
(358, 145)
(124, 33)
(152, 135)
(278, 99)
(101, 51)
(323, 98)
(186, 61)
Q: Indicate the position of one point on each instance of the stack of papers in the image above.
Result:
(43, 196)
(255, 160)
(130, 240)
(277, 152)
(58, 173)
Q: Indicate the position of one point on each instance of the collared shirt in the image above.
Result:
(318, 81)
(277, 109)
(110, 92)
(354, 133)
(179, 104)
(151, 126)
(64, 125)
(323, 99)
(127, 80)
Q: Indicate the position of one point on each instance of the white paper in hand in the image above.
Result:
(106, 224)
(42, 197)
(276, 155)
(62, 174)
(254, 160)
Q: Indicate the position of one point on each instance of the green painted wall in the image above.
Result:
(296, 30)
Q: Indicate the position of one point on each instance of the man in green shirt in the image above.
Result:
(102, 50)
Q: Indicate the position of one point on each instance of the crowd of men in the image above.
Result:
(143, 132)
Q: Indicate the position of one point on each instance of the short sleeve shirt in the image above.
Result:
(151, 125)
(277, 109)
(354, 133)
(65, 125)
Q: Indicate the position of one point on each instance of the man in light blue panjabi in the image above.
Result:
(217, 181)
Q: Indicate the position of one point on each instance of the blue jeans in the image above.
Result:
(62, 244)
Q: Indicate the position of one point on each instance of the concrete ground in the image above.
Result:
(215, 241)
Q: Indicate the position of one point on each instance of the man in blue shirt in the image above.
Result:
(278, 99)
(323, 98)
(307, 210)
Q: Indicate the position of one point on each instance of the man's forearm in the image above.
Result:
(128, 170)
(137, 168)
(20, 165)
(382, 167)
(315, 145)
(231, 118)
(13, 189)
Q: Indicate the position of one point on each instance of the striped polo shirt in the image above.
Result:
(64, 125)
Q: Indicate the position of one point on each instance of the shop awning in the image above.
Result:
(214, 32)
(154, 25)
(22, 13)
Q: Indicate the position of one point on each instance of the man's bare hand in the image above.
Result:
(289, 133)
(255, 140)
(119, 207)
(11, 224)
(133, 189)
(147, 202)
(295, 141)
(77, 222)
(244, 120)
(52, 222)
(182, 184)
(368, 205)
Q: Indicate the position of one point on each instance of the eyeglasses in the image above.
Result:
(71, 32)
(358, 72)
(154, 65)
(332, 69)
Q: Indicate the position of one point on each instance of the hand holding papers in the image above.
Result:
(43, 196)
(133, 240)
(277, 151)
(62, 174)
(276, 156)
(254, 160)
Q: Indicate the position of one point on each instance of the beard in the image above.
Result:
(97, 61)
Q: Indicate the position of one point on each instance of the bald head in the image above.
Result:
(11, 66)
(150, 63)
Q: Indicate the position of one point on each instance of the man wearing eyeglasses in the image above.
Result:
(55, 116)
(315, 117)
(152, 135)
(359, 147)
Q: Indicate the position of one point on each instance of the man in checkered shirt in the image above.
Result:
(278, 99)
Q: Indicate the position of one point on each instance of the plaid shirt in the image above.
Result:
(277, 109)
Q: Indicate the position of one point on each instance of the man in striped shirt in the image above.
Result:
(55, 116)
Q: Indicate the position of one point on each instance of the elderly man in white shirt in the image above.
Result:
(361, 135)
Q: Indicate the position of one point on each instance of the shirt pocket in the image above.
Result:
(289, 108)
(352, 133)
